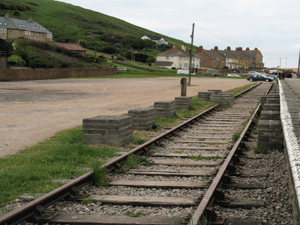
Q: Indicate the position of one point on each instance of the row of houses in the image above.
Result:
(174, 58)
(178, 58)
(11, 28)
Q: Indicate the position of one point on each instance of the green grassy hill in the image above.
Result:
(71, 23)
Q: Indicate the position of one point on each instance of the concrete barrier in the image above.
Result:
(143, 118)
(107, 130)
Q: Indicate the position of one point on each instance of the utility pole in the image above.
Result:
(279, 63)
(191, 54)
(95, 54)
(298, 64)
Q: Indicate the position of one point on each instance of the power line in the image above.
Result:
(215, 36)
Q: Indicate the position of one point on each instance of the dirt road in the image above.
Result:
(32, 111)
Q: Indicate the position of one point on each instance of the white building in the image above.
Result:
(177, 58)
(157, 39)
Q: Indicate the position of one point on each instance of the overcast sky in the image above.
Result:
(272, 26)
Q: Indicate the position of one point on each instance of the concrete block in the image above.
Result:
(107, 130)
(270, 115)
(203, 96)
(143, 118)
(271, 106)
(183, 103)
(165, 109)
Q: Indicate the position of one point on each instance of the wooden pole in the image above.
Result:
(183, 86)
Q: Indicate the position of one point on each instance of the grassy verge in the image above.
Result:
(33, 169)
(235, 91)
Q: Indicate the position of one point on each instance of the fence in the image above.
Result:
(52, 73)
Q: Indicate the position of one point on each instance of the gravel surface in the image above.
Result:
(33, 111)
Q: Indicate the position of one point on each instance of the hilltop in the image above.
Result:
(92, 30)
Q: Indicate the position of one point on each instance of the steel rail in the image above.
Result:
(37, 206)
(199, 214)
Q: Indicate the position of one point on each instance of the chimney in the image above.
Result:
(216, 48)
(247, 49)
(175, 46)
(200, 49)
(30, 20)
(256, 49)
(239, 49)
(228, 48)
(183, 47)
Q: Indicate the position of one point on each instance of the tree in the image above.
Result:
(6, 47)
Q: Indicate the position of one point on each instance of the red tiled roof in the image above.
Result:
(69, 46)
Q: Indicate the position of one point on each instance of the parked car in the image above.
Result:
(233, 75)
(253, 73)
(217, 74)
(122, 68)
(273, 76)
(209, 73)
(259, 77)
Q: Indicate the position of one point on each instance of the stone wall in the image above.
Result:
(53, 73)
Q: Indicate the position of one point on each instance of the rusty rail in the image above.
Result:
(207, 201)
(37, 207)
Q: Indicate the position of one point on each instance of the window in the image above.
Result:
(49, 35)
(186, 58)
(186, 65)
(180, 57)
(167, 57)
(3, 31)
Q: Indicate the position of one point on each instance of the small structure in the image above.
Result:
(107, 130)
(183, 103)
(73, 47)
(143, 118)
(270, 134)
(157, 39)
(226, 100)
(165, 109)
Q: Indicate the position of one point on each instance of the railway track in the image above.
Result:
(185, 173)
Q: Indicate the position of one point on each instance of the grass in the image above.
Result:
(33, 169)
(236, 136)
(133, 162)
(200, 157)
(260, 150)
(134, 214)
(235, 91)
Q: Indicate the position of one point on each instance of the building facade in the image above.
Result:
(158, 40)
(11, 29)
(232, 59)
(179, 57)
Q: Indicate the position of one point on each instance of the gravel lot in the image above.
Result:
(32, 111)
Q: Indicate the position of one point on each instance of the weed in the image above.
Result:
(136, 161)
(260, 150)
(205, 177)
(236, 136)
(99, 174)
(201, 139)
(134, 214)
(87, 201)
(178, 152)
(200, 157)
(137, 140)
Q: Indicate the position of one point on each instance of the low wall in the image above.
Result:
(52, 73)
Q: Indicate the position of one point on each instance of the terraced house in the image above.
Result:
(177, 58)
(11, 28)
(232, 59)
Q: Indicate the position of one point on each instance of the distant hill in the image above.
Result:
(91, 29)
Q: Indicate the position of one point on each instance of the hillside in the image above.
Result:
(91, 29)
